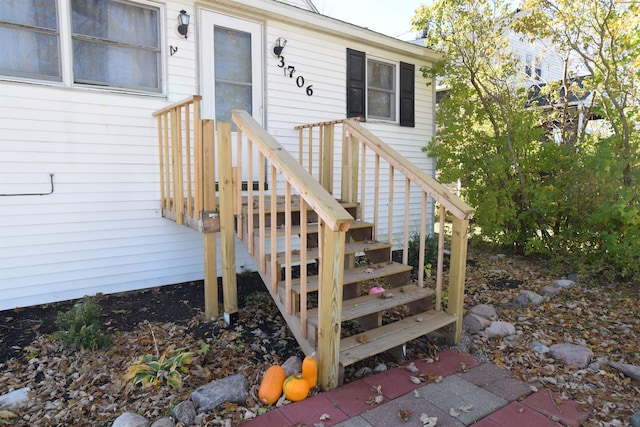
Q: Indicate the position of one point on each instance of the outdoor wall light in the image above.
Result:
(183, 20)
(280, 44)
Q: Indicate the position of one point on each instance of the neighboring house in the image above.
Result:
(79, 81)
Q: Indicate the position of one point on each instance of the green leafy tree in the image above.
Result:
(578, 198)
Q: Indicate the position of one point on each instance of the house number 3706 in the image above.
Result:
(289, 70)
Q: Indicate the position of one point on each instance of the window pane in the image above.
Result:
(230, 96)
(32, 13)
(114, 21)
(98, 63)
(30, 52)
(232, 55)
(380, 75)
(381, 105)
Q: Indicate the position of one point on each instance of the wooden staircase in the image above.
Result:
(319, 250)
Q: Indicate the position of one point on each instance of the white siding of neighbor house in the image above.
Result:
(101, 231)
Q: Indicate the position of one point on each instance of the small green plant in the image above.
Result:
(154, 371)
(79, 327)
(430, 252)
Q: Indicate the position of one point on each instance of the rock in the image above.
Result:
(538, 347)
(500, 329)
(185, 412)
(550, 290)
(631, 371)
(564, 283)
(15, 399)
(522, 300)
(484, 310)
(635, 419)
(497, 256)
(292, 366)
(573, 276)
(164, 422)
(534, 299)
(130, 419)
(571, 354)
(475, 323)
(232, 389)
(597, 364)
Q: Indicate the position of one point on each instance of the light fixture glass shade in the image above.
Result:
(280, 44)
(183, 21)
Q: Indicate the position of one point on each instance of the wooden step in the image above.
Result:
(375, 341)
(358, 274)
(350, 248)
(368, 304)
(312, 228)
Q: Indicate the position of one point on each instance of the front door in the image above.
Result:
(231, 70)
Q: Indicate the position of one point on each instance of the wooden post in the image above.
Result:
(350, 158)
(330, 305)
(227, 230)
(326, 174)
(457, 272)
(209, 204)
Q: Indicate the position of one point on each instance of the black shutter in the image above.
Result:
(356, 83)
(407, 95)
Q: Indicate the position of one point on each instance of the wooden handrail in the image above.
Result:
(328, 209)
(192, 99)
(426, 183)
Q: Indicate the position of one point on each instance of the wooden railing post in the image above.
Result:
(350, 160)
(330, 305)
(326, 174)
(209, 204)
(227, 220)
(457, 272)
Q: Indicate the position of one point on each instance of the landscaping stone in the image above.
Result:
(164, 422)
(522, 300)
(550, 290)
(130, 419)
(475, 323)
(631, 371)
(539, 347)
(292, 366)
(15, 398)
(635, 419)
(571, 354)
(232, 389)
(484, 310)
(532, 297)
(564, 283)
(185, 412)
(500, 329)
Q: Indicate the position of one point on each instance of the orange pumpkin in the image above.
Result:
(295, 388)
(271, 386)
(310, 370)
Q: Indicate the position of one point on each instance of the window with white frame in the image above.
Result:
(114, 44)
(31, 39)
(379, 89)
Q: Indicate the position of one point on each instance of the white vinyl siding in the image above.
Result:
(101, 230)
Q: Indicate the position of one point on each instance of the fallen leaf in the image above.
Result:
(415, 380)
(428, 421)
(454, 413)
(362, 339)
(404, 414)
(411, 367)
(325, 417)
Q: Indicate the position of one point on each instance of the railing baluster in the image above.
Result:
(303, 266)
(392, 186)
(363, 182)
(275, 265)
(443, 213)
(287, 251)
(407, 204)
(261, 215)
(187, 147)
(423, 226)
(239, 213)
(376, 198)
(250, 224)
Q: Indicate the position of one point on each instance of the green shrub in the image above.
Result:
(430, 251)
(79, 327)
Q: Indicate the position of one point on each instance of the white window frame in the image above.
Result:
(65, 31)
(396, 90)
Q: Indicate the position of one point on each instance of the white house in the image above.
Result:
(79, 81)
